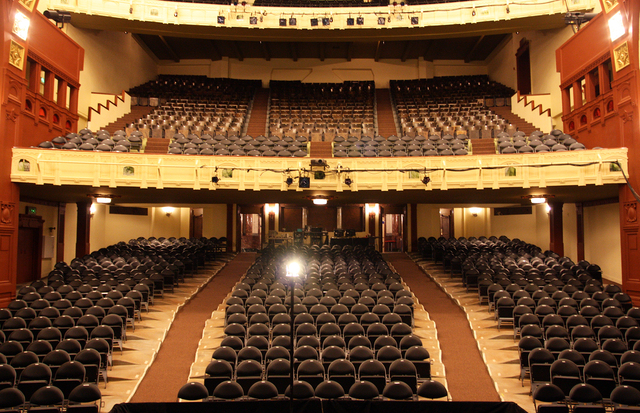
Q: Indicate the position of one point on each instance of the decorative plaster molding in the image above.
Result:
(631, 209)
(595, 63)
(621, 56)
(6, 213)
(16, 55)
(12, 115)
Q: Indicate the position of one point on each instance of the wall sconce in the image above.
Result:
(372, 208)
(475, 211)
(270, 208)
(616, 26)
(92, 210)
(168, 210)
(547, 207)
(21, 25)
(538, 199)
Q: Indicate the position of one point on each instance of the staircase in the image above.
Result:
(136, 113)
(483, 146)
(320, 150)
(157, 146)
(522, 125)
(384, 113)
(258, 120)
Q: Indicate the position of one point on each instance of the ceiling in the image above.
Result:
(189, 197)
(464, 42)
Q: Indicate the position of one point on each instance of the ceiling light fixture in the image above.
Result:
(320, 201)
(103, 200)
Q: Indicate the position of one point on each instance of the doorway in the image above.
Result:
(393, 230)
(523, 68)
(196, 223)
(251, 232)
(446, 223)
(30, 250)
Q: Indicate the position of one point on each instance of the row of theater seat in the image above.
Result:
(339, 314)
(573, 330)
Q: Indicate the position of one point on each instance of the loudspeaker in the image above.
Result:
(304, 182)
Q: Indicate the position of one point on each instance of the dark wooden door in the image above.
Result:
(29, 248)
(523, 68)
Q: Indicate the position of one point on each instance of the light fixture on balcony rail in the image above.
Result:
(58, 16)
(21, 25)
(538, 198)
(616, 26)
(168, 210)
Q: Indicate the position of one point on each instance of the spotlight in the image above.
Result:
(350, 21)
(360, 21)
(382, 21)
(426, 180)
(314, 22)
(473, 12)
(253, 20)
(289, 181)
(293, 21)
(58, 16)
(414, 20)
(175, 13)
(348, 181)
(326, 21)
(283, 22)
(221, 19)
(215, 179)
(304, 182)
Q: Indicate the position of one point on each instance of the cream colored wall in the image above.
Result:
(70, 231)
(602, 239)
(215, 221)
(428, 220)
(328, 71)
(542, 53)
(515, 226)
(569, 230)
(543, 239)
(50, 216)
(113, 62)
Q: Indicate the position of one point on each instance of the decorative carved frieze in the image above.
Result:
(631, 212)
(6, 213)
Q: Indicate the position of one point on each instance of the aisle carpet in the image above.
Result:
(466, 373)
(170, 370)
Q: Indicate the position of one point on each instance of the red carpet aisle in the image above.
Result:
(170, 370)
(466, 373)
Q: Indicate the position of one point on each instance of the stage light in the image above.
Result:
(283, 22)
(616, 26)
(253, 20)
(215, 179)
(293, 21)
(289, 181)
(350, 21)
(348, 181)
(414, 20)
(426, 180)
(382, 21)
(221, 19)
(326, 21)
(21, 25)
(360, 21)
(314, 22)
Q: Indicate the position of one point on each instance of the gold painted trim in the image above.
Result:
(28, 4)
(609, 4)
(621, 56)
(16, 55)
